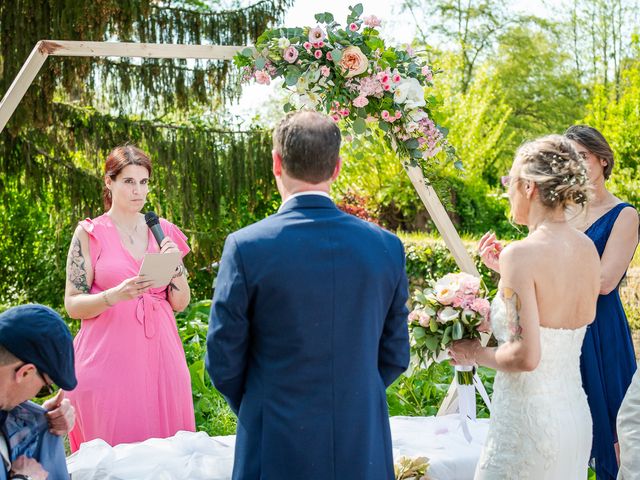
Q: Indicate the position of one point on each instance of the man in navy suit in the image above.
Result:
(309, 324)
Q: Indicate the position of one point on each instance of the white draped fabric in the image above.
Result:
(196, 456)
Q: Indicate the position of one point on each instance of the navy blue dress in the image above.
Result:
(608, 360)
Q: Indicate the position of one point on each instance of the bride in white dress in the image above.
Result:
(540, 426)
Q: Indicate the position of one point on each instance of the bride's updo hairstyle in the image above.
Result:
(559, 172)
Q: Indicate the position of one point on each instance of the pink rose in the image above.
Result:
(290, 54)
(329, 56)
(353, 61)
(372, 21)
(396, 78)
(386, 87)
(345, 112)
(383, 77)
(318, 54)
(325, 71)
(316, 35)
(318, 45)
(385, 115)
(360, 101)
(307, 46)
(262, 77)
(336, 118)
(353, 27)
(398, 114)
(413, 316)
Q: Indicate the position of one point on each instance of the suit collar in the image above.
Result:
(307, 201)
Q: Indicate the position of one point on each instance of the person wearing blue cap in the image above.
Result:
(36, 352)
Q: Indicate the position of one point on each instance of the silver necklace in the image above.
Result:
(129, 234)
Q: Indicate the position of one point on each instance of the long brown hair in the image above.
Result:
(119, 158)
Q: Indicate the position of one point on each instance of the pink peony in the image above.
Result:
(318, 54)
(290, 54)
(353, 27)
(372, 21)
(360, 101)
(325, 71)
(262, 77)
(316, 35)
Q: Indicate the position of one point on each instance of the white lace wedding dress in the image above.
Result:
(540, 427)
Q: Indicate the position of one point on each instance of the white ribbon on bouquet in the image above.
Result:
(467, 399)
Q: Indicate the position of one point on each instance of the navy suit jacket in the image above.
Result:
(308, 327)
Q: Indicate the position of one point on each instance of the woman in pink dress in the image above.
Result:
(133, 380)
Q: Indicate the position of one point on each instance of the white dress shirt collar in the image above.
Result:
(307, 192)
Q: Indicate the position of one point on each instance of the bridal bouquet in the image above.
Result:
(349, 73)
(455, 307)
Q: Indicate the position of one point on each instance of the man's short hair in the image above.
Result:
(6, 357)
(309, 144)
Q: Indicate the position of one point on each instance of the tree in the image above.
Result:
(473, 26)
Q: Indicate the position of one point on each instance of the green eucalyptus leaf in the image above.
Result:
(457, 331)
(412, 144)
(359, 126)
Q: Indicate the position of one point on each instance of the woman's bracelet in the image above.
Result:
(179, 271)
(106, 300)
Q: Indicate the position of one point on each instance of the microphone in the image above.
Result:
(154, 225)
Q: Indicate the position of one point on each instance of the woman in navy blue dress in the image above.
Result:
(608, 359)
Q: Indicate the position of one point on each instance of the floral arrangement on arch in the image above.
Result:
(349, 73)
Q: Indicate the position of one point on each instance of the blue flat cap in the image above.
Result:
(37, 334)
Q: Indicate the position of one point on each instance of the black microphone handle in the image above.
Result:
(157, 233)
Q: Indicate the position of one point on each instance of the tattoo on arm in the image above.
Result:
(76, 270)
(512, 305)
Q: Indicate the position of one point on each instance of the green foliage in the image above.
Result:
(618, 120)
(421, 392)
(213, 415)
(428, 259)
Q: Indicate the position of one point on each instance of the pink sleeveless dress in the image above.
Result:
(133, 380)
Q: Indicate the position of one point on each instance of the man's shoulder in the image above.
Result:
(256, 230)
